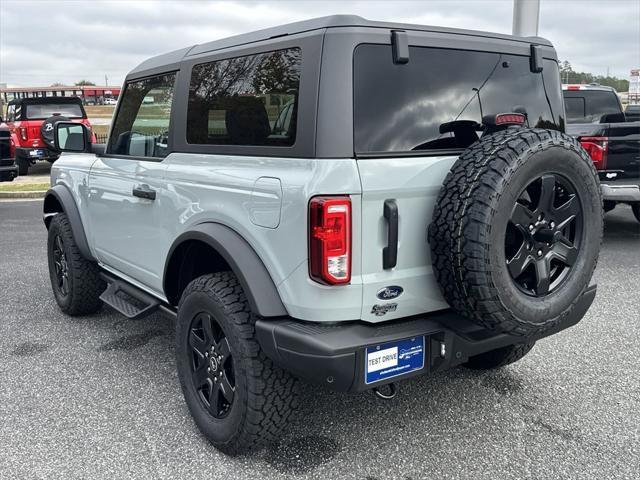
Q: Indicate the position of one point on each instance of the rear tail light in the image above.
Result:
(598, 149)
(23, 133)
(573, 87)
(330, 240)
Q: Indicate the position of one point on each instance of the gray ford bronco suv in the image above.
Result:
(347, 202)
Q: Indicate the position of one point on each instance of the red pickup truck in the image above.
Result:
(31, 122)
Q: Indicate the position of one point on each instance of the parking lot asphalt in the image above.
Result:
(98, 396)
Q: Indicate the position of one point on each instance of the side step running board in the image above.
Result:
(130, 301)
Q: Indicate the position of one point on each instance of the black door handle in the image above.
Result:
(390, 252)
(144, 191)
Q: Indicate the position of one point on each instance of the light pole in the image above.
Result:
(526, 16)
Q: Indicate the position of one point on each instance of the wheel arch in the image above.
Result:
(59, 199)
(224, 249)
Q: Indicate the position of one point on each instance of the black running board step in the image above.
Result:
(130, 301)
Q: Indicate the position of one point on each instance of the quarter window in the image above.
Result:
(250, 100)
(141, 127)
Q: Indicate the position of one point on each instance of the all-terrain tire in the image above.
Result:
(499, 357)
(84, 285)
(469, 224)
(636, 211)
(265, 396)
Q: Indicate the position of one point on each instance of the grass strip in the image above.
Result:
(23, 187)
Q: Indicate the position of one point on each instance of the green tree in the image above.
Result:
(568, 75)
(83, 83)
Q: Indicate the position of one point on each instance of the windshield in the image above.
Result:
(437, 100)
(588, 106)
(46, 110)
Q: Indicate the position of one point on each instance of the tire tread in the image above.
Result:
(86, 282)
(462, 221)
(272, 392)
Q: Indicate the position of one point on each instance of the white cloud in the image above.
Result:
(42, 42)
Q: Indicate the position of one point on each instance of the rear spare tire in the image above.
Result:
(47, 129)
(516, 230)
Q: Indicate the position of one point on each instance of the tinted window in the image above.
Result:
(588, 106)
(408, 107)
(141, 127)
(46, 110)
(575, 109)
(250, 100)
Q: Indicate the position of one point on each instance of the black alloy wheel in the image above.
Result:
(212, 370)
(61, 266)
(543, 235)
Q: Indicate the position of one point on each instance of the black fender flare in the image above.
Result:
(259, 288)
(59, 199)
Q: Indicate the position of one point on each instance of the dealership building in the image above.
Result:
(90, 94)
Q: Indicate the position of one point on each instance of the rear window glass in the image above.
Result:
(250, 100)
(409, 107)
(45, 110)
(588, 106)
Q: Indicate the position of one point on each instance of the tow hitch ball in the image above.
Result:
(389, 391)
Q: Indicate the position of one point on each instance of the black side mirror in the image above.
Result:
(71, 137)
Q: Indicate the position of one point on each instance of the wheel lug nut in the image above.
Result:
(552, 225)
(206, 354)
(215, 379)
(539, 253)
(208, 369)
(530, 227)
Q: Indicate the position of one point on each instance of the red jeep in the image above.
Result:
(32, 121)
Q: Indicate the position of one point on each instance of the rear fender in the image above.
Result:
(258, 286)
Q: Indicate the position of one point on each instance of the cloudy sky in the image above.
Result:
(47, 41)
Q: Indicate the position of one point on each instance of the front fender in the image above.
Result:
(60, 200)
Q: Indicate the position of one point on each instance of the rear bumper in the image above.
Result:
(33, 154)
(621, 193)
(334, 355)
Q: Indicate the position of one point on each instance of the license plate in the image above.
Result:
(37, 153)
(393, 359)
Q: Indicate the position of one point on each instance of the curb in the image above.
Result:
(36, 194)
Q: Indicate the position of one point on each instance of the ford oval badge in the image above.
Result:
(389, 293)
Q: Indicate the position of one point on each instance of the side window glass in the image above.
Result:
(250, 100)
(10, 117)
(141, 127)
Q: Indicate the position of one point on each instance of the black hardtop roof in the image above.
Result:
(45, 100)
(332, 21)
